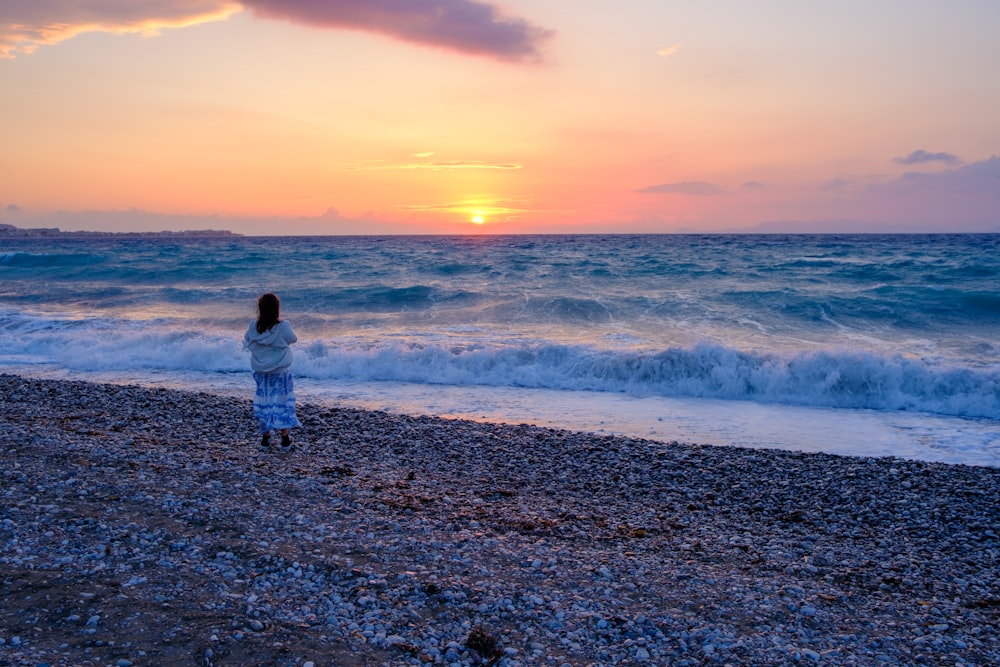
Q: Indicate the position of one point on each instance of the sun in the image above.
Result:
(477, 220)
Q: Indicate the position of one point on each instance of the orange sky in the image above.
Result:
(324, 117)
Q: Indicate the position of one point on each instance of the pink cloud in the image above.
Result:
(466, 26)
(922, 156)
(693, 188)
(27, 24)
(957, 199)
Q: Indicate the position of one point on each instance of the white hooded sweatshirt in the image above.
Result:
(270, 351)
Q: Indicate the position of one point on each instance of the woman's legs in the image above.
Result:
(274, 406)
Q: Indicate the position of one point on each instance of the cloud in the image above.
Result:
(962, 199)
(978, 178)
(466, 26)
(669, 51)
(754, 185)
(440, 165)
(922, 156)
(13, 208)
(423, 155)
(486, 206)
(838, 185)
(459, 164)
(694, 188)
(27, 24)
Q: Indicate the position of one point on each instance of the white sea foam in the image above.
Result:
(866, 433)
(826, 379)
(823, 379)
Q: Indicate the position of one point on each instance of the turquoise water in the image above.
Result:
(659, 330)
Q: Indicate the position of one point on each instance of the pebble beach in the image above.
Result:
(149, 527)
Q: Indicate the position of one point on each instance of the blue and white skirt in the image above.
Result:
(274, 402)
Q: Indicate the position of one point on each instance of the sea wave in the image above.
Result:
(44, 260)
(866, 322)
(827, 378)
(838, 379)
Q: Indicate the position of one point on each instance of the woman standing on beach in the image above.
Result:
(268, 338)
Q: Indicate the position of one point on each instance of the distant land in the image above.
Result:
(10, 231)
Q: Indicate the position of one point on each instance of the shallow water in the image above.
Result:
(866, 433)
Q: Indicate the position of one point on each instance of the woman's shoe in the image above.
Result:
(265, 440)
(286, 440)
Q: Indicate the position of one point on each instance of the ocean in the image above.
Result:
(870, 345)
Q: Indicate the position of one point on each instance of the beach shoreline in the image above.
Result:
(147, 526)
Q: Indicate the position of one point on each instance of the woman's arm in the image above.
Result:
(287, 334)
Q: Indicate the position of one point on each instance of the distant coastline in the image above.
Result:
(12, 232)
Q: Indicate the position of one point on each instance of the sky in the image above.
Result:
(506, 116)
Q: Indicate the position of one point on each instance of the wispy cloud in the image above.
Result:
(694, 188)
(458, 164)
(669, 51)
(465, 26)
(922, 156)
(27, 24)
(963, 199)
(978, 178)
(754, 185)
(839, 185)
(478, 205)
(438, 165)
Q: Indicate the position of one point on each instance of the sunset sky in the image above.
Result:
(513, 116)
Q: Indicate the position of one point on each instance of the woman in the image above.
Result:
(268, 339)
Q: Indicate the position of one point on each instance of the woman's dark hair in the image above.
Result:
(268, 310)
